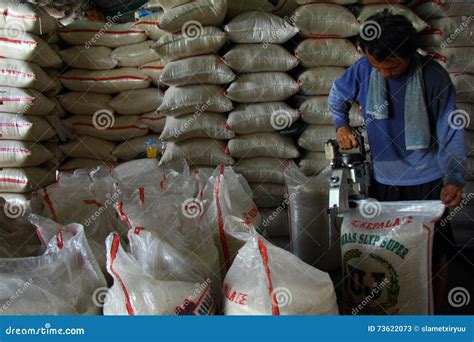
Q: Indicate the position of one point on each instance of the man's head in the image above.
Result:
(395, 44)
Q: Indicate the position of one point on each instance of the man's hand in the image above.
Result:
(451, 195)
(346, 138)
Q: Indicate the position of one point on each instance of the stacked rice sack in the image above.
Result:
(27, 139)
(259, 94)
(111, 97)
(194, 104)
(449, 40)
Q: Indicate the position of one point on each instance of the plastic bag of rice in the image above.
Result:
(313, 163)
(22, 153)
(439, 9)
(24, 101)
(19, 16)
(93, 58)
(135, 102)
(154, 121)
(88, 147)
(85, 103)
(314, 110)
(386, 252)
(268, 195)
(327, 52)
(135, 55)
(263, 145)
(21, 74)
(452, 31)
(454, 59)
(153, 70)
(25, 127)
(151, 24)
(27, 179)
(318, 81)
(267, 280)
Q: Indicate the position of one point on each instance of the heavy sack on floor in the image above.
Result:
(263, 145)
(61, 281)
(107, 126)
(25, 17)
(268, 195)
(135, 102)
(24, 101)
(204, 125)
(199, 151)
(134, 148)
(92, 58)
(21, 74)
(313, 163)
(22, 153)
(261, 169)
(25, 127)
(151, 24)
(191, 17)
(267, 280)
(27, 47)
(85, 103)
(369, 10)
(314, 110)
(386, 252)
(325, 21)
(111, 35)
(260, 27)
(154, 120)
(194, 99)
(197, 70)
(228, 200)
(88, 147)
(312, 240)
(177, 46)
(135, 55)
(23, 180)
(452, 31)
(327, 52)
(257, 58)
(104, 81)
(261, 117)
(262, 87)
(153, 70)
(146, 281)
(318, 81)
(435, 9)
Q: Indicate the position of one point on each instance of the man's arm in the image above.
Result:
(343, 92)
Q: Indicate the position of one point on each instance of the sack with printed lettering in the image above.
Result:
(386, 253)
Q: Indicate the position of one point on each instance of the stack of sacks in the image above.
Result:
(260, 92)
(449, 40)
(194, 103)
(111, 99)
(281, 8)
(26, 133)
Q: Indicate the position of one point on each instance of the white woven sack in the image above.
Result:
(194, 99)
(107, 126)
(315, 136)
(85, 103)
(313, 163)
(88, 147)
(153, 70)
(134, 148)
(370, 10)
(325, 21)
(24, 101)
(25, 127)
(27, 47)
(203, 125)
(440, 9)
(105, 82)
(327, 52)
(93, 58)
(154, 120)
(134, 102)
(260, 27)
(151, 24)
(25, 17)
(261, 169)
(318, 81)
(193, 16)
(454, 59)
(28, 179)
(22, 153)
(74, 164)
(450, 31)
(268, 195)
(315, 111)
(197, 70)
(263, 145)
(135, 55)
(258, 57)
(262, 87)
(201, 151)
(108, 34)
(21, 74)
(262, 117)
(176, 46)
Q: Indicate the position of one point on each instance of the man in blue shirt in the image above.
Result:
(408, 101)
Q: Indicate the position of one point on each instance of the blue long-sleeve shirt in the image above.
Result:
(392, 163)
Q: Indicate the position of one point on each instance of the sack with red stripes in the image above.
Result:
(151, 24)
(21, 74)
(18, 16)
(453, 59)
(80, 103)
(153, 70)
(154, 278)
(429, 9)
(24, 101)
(61, 281)
(452, 31)
(93, 58)
(386, 252)
(25, 127)
(154, 121)
(327, 52)
(90, 33)
(267, 280)
(227, 194)
(27, 179)
(23, 153)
